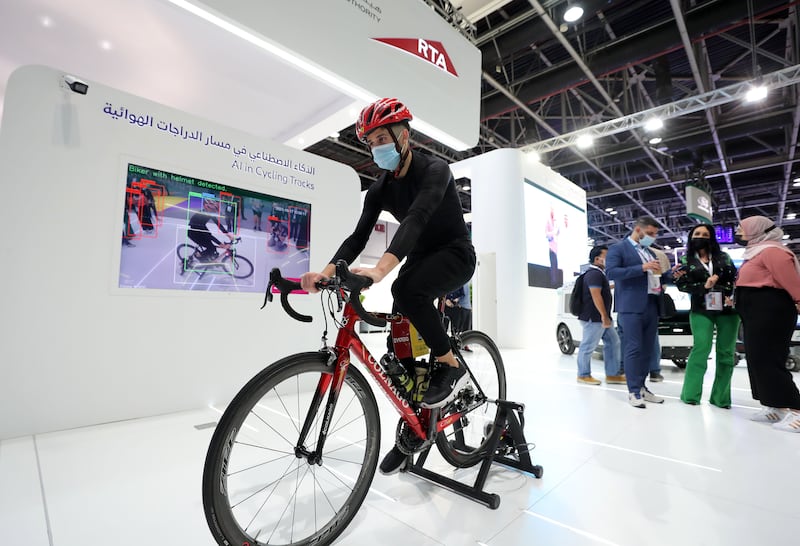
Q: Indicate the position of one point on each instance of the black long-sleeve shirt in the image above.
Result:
(426, 204)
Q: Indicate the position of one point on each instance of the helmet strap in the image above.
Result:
(403, 153)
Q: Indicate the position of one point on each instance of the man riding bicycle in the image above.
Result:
(420, 192)
(200, 234)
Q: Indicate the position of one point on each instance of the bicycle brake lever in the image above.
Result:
(339, 300)
(268, 294)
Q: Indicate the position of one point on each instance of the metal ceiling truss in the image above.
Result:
(697, 103)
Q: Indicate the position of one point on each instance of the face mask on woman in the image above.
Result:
(700, 243)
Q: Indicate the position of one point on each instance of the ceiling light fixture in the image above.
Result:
(46, 21)
(105, 45)
(785, 237)
(653, 124)
(796, 183)
(609, 209)
(573, 13)
(791, 215)
(584, 141)
(655, 140)
(756, 93)
(614, 212)
(466, 187)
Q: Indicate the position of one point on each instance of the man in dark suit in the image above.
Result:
(637, 279)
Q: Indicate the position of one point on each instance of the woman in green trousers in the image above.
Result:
(708, 274)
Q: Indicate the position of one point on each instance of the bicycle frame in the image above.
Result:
(424, 426)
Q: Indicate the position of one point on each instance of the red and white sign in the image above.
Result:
(432, 51)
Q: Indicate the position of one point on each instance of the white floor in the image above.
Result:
(614, 475)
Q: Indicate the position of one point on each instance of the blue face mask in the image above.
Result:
(646, 240)
(386, 156)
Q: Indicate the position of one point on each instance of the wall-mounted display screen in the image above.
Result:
(556, 236)
(724, 234)
(184, 233)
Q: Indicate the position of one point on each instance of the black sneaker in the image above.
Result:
(394, 461)
(445, 383)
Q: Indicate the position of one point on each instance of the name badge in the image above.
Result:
(714, 301)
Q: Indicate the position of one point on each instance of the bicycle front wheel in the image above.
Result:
(238, 266)
(258, 484)
(463, 443)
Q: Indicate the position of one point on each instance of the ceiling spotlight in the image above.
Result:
(785, 237)
(573, 13)
(756, 93)
(466, 187)
(46, 21)
(584, 141)
(791, 215)
(614, 212)
(609, 209)
(105, 45)
(653, 124)
(655, 140)
(667, 247)
(796, 183)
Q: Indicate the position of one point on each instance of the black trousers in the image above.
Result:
(768, 320)
(205, 240)
(422, 279)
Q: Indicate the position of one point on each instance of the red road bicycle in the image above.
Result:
(295, 452)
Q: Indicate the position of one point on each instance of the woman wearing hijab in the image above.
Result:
(708, 275)
(767, 298)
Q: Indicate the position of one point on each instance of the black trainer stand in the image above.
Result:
(507, 438)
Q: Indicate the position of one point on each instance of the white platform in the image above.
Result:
(614, 475)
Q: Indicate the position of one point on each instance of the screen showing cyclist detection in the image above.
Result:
(184, 233)
(555, 237)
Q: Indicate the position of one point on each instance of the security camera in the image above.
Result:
(78, 86)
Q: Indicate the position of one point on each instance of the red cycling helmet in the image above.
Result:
(379, 113)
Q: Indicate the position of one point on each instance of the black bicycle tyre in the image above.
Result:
(241, 267)
(458, 457)
(184, 252)
(219, 514)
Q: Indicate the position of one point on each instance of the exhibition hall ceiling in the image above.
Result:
(541, 77)
(538, 77)
(155, 50)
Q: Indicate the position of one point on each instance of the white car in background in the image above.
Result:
(674, 334)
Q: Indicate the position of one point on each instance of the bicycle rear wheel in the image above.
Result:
(258, 486)
(185, 253)
(239, 267)
(463, 443)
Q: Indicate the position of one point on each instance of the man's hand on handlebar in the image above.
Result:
(308, 281)
(372, 272)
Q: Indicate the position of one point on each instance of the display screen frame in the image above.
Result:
(168, 218)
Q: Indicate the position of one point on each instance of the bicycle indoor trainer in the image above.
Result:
(507, 439)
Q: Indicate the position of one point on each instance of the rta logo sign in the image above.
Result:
(431, 51)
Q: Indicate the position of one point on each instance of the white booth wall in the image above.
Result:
(516, 315)
(77, 348)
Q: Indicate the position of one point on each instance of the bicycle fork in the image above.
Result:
(331, 384)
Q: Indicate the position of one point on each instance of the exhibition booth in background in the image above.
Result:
(108, 323)
(104, 331)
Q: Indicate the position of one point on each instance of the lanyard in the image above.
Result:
(707, 266)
